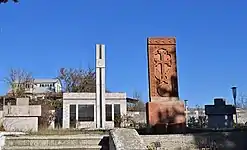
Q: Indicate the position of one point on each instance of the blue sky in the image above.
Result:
(42, 36)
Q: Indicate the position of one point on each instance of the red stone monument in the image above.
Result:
(164, 109)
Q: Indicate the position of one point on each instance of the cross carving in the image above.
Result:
(163, 59)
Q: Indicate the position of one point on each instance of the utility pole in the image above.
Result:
(234, 95)
(186, 111)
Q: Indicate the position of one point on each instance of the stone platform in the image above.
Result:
(166, 114)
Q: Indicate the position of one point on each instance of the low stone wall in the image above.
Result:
(214, 140)
(121, 139)
(170, 142)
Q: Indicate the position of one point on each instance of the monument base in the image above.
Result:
(166, 115)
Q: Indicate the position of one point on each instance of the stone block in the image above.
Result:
(164, 108)
(21, 124)
(30, 110)
(125, 139)
(22, 101)
(35, 110)
(164, 114)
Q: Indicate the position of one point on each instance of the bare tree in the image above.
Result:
(78, 80)
(139, 105)
(242, 101)
(18, 80)
(137, 95)
(5, 1)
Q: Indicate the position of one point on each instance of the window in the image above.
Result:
(27, 86)
(117, 111)
(1, 104)
(47, 85)
(108, 112)
(117, 115)
(72, 118)
(85, 112)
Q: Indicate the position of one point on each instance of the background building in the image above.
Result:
(37, 88)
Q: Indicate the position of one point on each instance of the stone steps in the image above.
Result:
(52, 148)
(51, 141)
(73, 142)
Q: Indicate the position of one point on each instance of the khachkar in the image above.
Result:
(100, 86)
(164, 107)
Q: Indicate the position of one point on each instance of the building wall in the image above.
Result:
(90, 98)
(58, 87)
(138, 117)
(242, 116)
(193, 112)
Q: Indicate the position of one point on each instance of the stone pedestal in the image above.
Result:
(166, 114)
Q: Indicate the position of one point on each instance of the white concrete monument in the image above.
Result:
(100, 86)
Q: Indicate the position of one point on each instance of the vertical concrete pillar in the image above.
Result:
(100, 86)
(97, 103)
(66, 116)
(112, 106)
(103, 114)
(76, 115)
